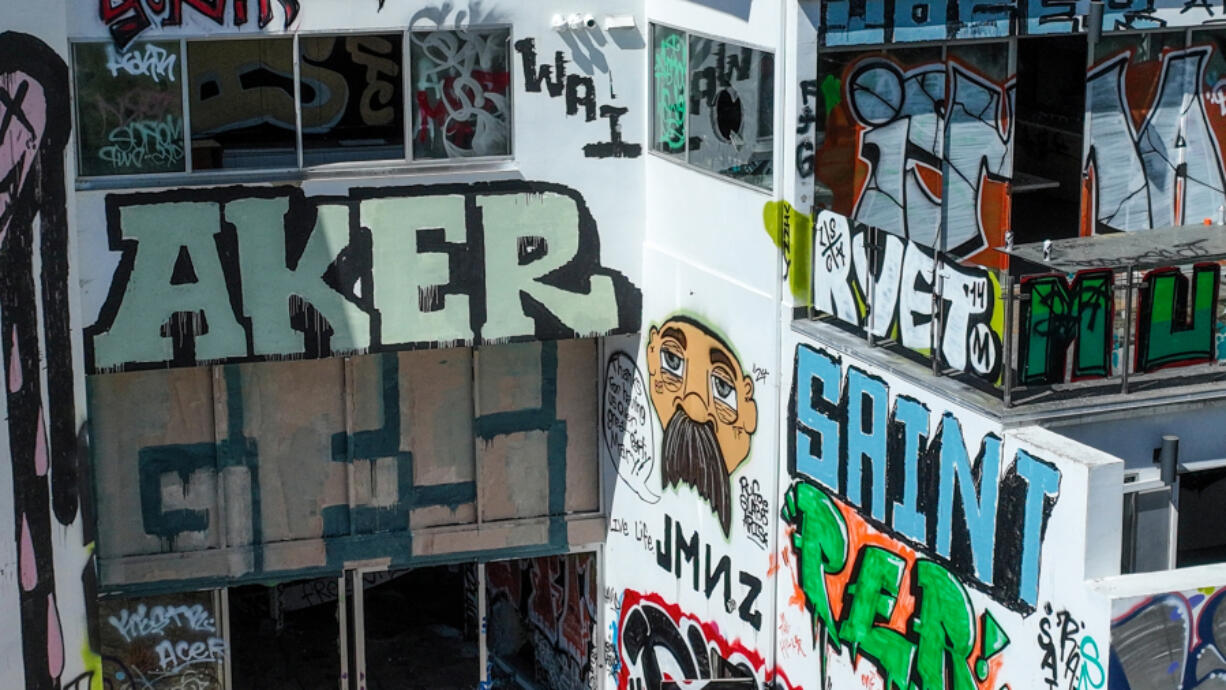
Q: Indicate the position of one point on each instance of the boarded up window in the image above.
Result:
(288, 462)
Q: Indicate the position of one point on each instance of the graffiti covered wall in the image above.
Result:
(882, 285)
(859, 22)
(895, 157)
(1168, 640)
(46, 571)
(547, 605)
(515, 249)
(687, 445)
(915, 547)
(244, 275)
(1156, 121)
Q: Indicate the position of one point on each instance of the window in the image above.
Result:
(1173, 525)
(916, 141)
(192, 106)
(129, 109)
(541, 620)
(713, 105)
(241, 95)
(536, 619)
(352, 98)
(170, 637)
(461, 90)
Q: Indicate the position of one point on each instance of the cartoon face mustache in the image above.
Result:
(690, 454)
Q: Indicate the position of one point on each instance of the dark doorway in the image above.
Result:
(1201, 540)
(1049, 129)
(285, 636)
(417, 632)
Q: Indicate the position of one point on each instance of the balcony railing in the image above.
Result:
(1105, 315)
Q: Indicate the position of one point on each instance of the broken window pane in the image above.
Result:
(285, 636)
(241, 96)
(542, 621)
(732, 110)
(352, 98)
(668, 77)
(461, 93)
(129, 108)
(167, 640)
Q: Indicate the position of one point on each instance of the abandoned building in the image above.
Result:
(636, 344)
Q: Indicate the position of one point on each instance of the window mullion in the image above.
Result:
(187, 106)
(297, 100)
(406, 75)
(222, 596)
(342, 620)
(685, 93)
(359, 626)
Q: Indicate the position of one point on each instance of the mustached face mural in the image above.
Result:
(705, 403)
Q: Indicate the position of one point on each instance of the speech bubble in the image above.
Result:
(625, 424)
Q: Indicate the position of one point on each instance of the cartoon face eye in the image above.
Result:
(723, 391)
(672, 363)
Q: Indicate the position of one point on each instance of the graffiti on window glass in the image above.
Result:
(461, 93)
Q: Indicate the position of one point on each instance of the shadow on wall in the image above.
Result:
(738, 8)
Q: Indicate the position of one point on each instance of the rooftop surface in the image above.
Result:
(1148, 249)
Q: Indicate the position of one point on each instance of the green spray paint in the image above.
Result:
(832, 92)
(1165, 335)
(938, 652)
(1058, 315)
(669, 70)
(874, 595)
(792, 233)
(945, 624)
(994, 640)
(821, 546)
(264, 254)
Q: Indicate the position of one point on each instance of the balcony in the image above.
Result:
(1111, 320)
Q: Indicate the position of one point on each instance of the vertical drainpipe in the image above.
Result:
(1168, 468)
(1168, 459)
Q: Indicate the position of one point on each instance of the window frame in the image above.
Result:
(684, 160)
(408, 90)
(301, 172)
(78, 152)
(351, 634)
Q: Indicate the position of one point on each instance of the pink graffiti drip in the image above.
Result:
(15, 380)
(29, 569)
(40, 447)
(55, 639)
(19, 147)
